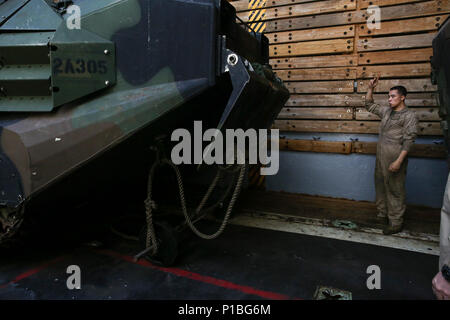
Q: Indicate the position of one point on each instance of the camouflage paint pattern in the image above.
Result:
(43, 146)
(67, 96)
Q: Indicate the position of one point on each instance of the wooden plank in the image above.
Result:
(417, 150)
(332, 126)
(317, 74)
(412, 85)
(311, 48)
(320, 87)
(357, 100)
(414, 10)
(397, 42)
(360, 16)
(347, 147)
(404, 26)
(312, 34)
(401, 11)
(316, 113)
(315, 62)
(316, 21)
(303, 9)
(424, 114)
(363, 4)
(396, 56)
(242, 5)
(412, 100)
(326, 100)
(395, 70)
(352, 126)
(342, 147)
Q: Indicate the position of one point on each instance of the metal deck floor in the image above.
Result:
(243, 263)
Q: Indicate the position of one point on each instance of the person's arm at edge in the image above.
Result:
(440, 286)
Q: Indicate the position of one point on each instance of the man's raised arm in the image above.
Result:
(369, 103)
(369, 95)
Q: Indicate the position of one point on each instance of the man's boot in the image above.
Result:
(392, 229)
(382, 219)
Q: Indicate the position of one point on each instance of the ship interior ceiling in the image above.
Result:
(308, 232)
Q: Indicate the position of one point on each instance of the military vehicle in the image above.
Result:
(87, 87)
(440, 64)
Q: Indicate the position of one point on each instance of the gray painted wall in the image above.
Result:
(352, 176)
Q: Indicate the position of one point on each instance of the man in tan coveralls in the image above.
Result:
(441, 282)
(398, 131)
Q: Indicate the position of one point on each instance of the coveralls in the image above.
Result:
(398, 131)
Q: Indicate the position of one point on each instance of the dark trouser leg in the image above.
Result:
(396, 194)
(380, 190)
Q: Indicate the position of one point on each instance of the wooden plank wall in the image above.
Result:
(326, 54)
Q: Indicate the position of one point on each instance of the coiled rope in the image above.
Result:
(151, 241)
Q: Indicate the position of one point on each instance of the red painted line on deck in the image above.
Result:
(200, 278)
(31, 272)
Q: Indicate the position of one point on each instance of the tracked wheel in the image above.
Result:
(10, 221)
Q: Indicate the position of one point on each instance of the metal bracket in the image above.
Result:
(240, 77)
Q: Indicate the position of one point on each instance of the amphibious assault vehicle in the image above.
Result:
(88, 87)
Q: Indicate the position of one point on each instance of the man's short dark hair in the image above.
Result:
(400, 89)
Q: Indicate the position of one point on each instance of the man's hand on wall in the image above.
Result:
(441, 287)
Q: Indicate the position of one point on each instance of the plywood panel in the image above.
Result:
(312, 34)
(415, 10)
(311, 48)
(346, 147)
(242, 5)
(397, 42)
(412, 85)
(424, 114)
(327, 126)
(404, 26)
(395, 56)
(317, 74)
(392, 71)
(304, 9)
(356, 100)
(316, 146)
(381, 3)
(401, 11)
(325, 100)
(417, 150)
(315, 62)
(326, 55)
(320, 87)
(316, 21)
(413, 99)
(336, 126)
(317, 113)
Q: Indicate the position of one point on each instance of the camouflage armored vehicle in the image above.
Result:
(86, 86)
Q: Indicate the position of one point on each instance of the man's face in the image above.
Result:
(395, 98)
